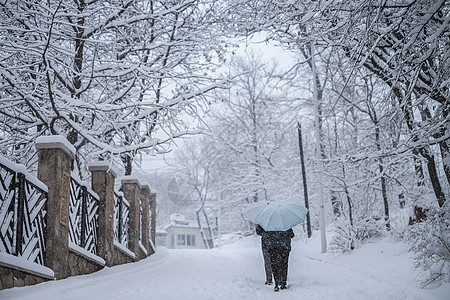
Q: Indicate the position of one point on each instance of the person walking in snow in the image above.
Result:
(267, 265)
(278, 244)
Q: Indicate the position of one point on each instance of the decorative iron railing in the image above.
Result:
(141, 217)
(149, 211)
(83, 216)
(121, 219)
(23, 210)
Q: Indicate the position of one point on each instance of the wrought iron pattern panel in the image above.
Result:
(90, 230)
(117, 200)
(149, 211)
(83, 217)
(125, 224)
(140, 221)
(75, 212)
(22, 216)
(121, 220)
(34, 225)
(8, 210)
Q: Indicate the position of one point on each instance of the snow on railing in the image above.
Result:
(23, 210)
(121, 219)
(83, 215)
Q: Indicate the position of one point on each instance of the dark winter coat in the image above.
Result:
(259, 231)
(273, 239)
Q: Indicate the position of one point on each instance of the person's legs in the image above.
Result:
(284, 258)
(276, 264)
(267, 265)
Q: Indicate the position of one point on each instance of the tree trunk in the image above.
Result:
(210, 230)
(432, 171)
(336, 204)
(445, 154)
(445, 147)
(383, 178)
(305, 185)
(205, 241)
(406, 106)
(347, 195)
(385, 198)
(127, 162)
(418, 168)
(350, 207)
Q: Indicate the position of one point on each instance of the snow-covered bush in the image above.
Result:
(348, 237)
(343, 238)
(431, 243)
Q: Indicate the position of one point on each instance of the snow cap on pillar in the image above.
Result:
(102, 165)
(131, 179)
(55, 142)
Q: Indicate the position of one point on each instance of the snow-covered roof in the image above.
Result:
(161, 231)
(178, 220)
(184, 224)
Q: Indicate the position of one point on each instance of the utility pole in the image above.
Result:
(318, 154)
(305, 185)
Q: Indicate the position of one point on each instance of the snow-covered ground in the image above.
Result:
(379, 270)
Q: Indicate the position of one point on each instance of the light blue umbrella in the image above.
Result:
(276, 216)
(254, 209)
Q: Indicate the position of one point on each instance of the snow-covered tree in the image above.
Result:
(403, 43)
(114, 77)
(196, 166)
(398, 128)
(250, 132)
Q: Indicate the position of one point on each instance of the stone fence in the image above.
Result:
(62, 256)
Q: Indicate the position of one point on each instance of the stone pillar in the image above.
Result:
(153, 218)
(145, 198)
(131, 189)
(55, 160)
(102, 180)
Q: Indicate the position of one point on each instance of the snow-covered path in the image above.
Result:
(380, 270)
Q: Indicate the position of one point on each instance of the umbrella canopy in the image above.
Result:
(276, 216)
(254, 209)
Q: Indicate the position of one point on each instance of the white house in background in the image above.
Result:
(182, 234)
(161, 235)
